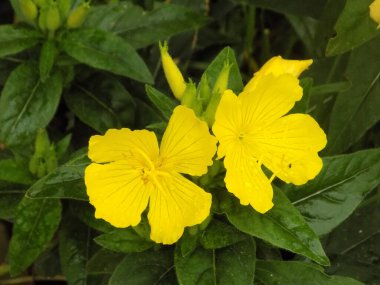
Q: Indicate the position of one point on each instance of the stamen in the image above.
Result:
(147, 159)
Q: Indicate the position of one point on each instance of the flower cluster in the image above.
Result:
(130, 171)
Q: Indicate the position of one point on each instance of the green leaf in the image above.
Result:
(35, 224)
(212, 72)
(9, 200)
(294, 272)
(47, 57)
(354, 27)
(351, 118)
(106, 96)
(231, 265)
(16, 171)
(16, 39)
(101, 266)
(27, 104)
(104, 50)
(333, 195)
(282, 226)
(311, 8)
(62, 146)
(123, 240)
(162, 102)
(74, 250)
(219, 235)
(66, 181)
(141, 28)
(145, 268)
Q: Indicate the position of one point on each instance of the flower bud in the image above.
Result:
(172, 73)
(222, 80)
(77, 17)
(64, 7)
(40, 3)
(42, 143)
(189, 98)
(374, 12)
(34, 162)
(42, 19)
(53, 18)
(41, 171)
(29, 10)
(51, 160)
(204, 92)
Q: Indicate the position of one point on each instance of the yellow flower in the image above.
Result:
(374, 12)
(130, 171)
(252, 130)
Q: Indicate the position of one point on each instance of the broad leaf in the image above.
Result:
(16, 39)
(141, 28)
(74, 250)
(162, 102)
(282, 226)
(354, 27)
(351, 118)
(233, 265)
(342, 184)
(27, 104)
(104, 50)
(123, 240)
(35, 224)
(10, 197)
(145, 268)
(294, 272)
(64, 182)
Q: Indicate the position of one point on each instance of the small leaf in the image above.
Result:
(212, 72)
(123, 240)
(74, 250)
(16, 171)
(104, 50)
(16, 39)
(145, 268)
(66, 181)
(162, 102)
(47, 57)
(35, 224)
(219, 235)
(294, 272)
(233, 265)
(354, 27)
(342, 184)
(26, 104)
(282, 226)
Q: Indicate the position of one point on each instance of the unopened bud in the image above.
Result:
(189, 98)
(172, 73)
(29, 10)
(34, 162)
(41, 171)
(221, 82)
(53, 18)
(42, 19)
(77, 17)
(42, 143)
(204, 92)
(51, 159)
(40, 3)
(64, 7)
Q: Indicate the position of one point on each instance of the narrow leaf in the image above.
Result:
(162, 102)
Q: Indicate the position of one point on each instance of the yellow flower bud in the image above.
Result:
(221, 82)
(172, 73)
(29, 10)
(53, 18)
(374, 12)
(77, 17)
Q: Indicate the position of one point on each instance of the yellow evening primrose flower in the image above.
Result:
(129, 171)
(252, 130)
(374, 12)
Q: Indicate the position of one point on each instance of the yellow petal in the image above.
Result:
(374, 12)
(117, 192)
(123, 144)
(289, 147)
(176, 203)
(246, 180)
(187, 145)
(279, 66)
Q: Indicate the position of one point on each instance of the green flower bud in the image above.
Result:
(40, 3)
(204, 92)
(42, 19)
(41, 171)
(53, 18)
(222, 80)
(51, 160)
(29, 10)
(64, 7)
(34, 163)
(42, 143)
(77, 17)
(189, 98)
